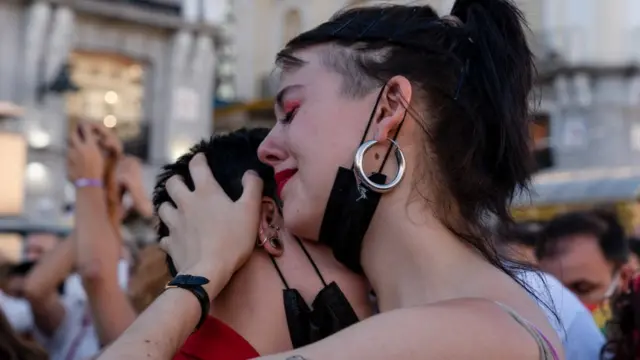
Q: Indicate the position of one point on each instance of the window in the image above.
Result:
(111, 92)
(166, 6)
(541, 141)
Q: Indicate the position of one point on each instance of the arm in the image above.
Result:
(160, 330)
(165, 325)
(98, 255)
(41, 286)
(130, 175)
(141, 202)
(456, 331)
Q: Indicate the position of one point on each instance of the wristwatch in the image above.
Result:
(194, 285)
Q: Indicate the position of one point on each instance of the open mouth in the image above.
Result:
(282, 177)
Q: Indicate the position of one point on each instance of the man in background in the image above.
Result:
(518, 241)
(588, 252)
(574, 324)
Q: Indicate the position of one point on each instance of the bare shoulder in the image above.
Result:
(457, 329)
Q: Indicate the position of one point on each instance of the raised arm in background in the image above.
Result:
(131, 178)
(98, 243)
(41, 286)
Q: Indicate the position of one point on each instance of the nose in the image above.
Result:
(271, 151)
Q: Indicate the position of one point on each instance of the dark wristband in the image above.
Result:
(194, 285)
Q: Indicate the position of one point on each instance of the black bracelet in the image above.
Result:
(194, 285)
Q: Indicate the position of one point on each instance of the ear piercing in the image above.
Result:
(273, 241)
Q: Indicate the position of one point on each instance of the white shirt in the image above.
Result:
(581, 337)
(76, 338)
(18, 313)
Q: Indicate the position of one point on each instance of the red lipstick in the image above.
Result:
(282, 177)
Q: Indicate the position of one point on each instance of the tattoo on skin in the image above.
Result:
(296, 357)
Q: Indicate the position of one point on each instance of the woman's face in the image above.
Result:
(318, 130)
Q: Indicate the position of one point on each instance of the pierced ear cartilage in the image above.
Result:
(358, 166)
(274, 227)
(261, 242)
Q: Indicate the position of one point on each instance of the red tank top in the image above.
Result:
(216, 341)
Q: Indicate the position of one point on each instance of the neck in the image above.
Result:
(406, 242)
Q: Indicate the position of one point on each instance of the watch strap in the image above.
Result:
(194, 285)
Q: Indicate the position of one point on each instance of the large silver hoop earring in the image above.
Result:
(359, 167)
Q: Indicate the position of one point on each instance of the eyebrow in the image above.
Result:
(287, 61)
(282, 93)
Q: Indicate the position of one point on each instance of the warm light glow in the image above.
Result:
(179, 148)
(110, 121)
(13, 156)
(10, 247)
(135, 71)
(39, 139)
(36, 174)
(111, 97)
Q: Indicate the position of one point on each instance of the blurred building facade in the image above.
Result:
(143, 67)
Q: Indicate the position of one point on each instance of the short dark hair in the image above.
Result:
(603, 225)
(524, 233)
(229, 156)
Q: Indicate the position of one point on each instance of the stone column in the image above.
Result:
(179, 96)
(245, 43)
(190, 86)
(36, 30)
(203, 78)
(48, 119)
(60, 44)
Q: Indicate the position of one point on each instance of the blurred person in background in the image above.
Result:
(12, 302)
(623, 328)
(581, 337)
(634, 255)
(588, 252)
(39, 243)
(15, 307)
(91, 262)
(14, 347)
(518, 241)
(149, 277)
(137, 228)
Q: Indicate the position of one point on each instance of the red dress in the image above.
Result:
(215, 341)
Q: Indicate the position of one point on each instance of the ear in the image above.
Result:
(270, 224)
(394, 102)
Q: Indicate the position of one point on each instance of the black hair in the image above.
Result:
(22, 269)
(602, 225)
(622, 329)
(524, 233)
(473, 72)
(229, 156)
(634, 245)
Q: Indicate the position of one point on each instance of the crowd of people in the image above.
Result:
(310, 241)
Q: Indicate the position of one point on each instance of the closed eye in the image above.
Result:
(289, 115)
